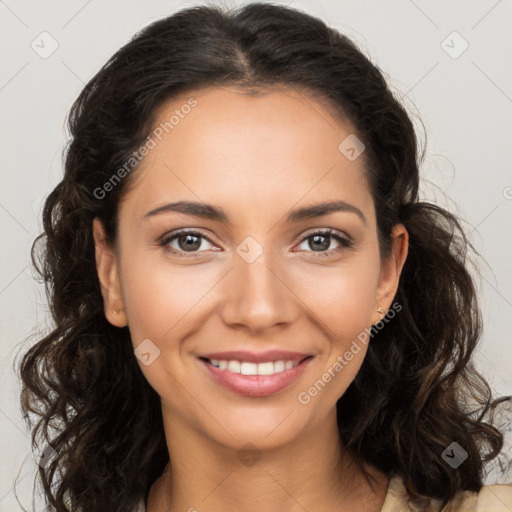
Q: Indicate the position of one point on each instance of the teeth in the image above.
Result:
(266, 368)
(247, 368)
(234, 366)
(279, 366)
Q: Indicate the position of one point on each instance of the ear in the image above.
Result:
(390, 271)
(108, 275)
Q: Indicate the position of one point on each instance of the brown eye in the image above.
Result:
(189, 242)
(186, 242)
(320, 241)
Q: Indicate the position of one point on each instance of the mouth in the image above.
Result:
(250, 368)
(251, 378)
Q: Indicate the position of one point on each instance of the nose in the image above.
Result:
(258, 295)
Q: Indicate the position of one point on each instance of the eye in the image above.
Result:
(322, 240)
(186, 241)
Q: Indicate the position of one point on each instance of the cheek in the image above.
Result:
(343, 302)
(164, 304)
(161, 301)
(343, 297)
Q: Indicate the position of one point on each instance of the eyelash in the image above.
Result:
(345, 243)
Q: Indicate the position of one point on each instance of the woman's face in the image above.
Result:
(257, 275)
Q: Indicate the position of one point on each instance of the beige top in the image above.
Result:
(491, 498)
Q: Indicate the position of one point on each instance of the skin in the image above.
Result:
(258, 158)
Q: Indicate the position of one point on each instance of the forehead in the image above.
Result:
(221, 145)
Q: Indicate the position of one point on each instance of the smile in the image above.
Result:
(248, 368)
(255, 379)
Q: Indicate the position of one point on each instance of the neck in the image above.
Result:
(308, 473)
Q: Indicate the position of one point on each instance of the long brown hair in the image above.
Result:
(416, 392)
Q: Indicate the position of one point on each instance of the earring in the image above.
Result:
(117, 311)
(380, 311)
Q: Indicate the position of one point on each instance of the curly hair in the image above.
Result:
(417, 390)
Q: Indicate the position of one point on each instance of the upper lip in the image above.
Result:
(256, 357)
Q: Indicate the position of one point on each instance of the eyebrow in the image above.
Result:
(207, 211)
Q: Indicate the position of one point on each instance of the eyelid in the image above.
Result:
(325, 231)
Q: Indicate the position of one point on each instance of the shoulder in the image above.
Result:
(495, 498)
(491, 498)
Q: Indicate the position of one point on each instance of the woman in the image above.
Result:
(253, 310)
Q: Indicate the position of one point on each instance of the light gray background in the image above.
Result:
(465, 103)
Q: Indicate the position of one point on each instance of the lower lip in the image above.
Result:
(256, 385)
